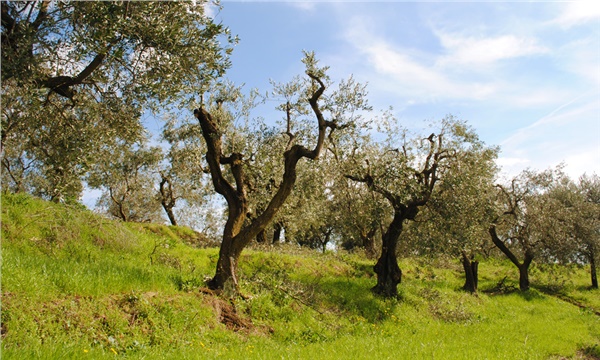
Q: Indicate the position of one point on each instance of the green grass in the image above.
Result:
(77, 286)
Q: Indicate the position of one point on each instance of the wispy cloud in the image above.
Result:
(413, 77)
(408, 72)
(468, 50)
(585, 108)
(303, 5)
(570, 134)
(578, 13)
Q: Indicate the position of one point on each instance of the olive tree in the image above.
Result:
(407, 174)
(127, 175)
(233, 187)
(303, 99)
(456, 219)
(525, 220)
(578, 209)
(76, 75)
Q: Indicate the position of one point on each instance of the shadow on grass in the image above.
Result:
(501, 289)
(591, 352)
(585, 288)
(531, 295)
(355, 298)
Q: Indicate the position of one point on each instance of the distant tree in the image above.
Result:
(362, 213)
(361, 219)
(75, 75)
(340, 214)
(455, 221)
(578, 210)
(180, 182)
(127, 175)
(588, 233)
(48, 145)
(406, 175)
(314, 203)
(525, 222)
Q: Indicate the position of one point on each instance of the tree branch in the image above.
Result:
(62, 84)
(500, 244)
(42, 14)
(214, 154)
(292, 156)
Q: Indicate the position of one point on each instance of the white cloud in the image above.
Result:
(412, 76)
(303, 5)
(583, 162)
(505, 162)
(582, 58)
(211, 9)
(580, 112)
(578, 13)
(478, 50)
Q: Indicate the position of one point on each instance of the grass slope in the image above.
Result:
(77, 286)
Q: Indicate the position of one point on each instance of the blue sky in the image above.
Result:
(525, 75)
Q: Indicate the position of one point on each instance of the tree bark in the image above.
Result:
(388, 272)
(277, 232)
(470, 267)
(226, 269)
(170, 214)
(593, 270)
(523, 278)
(167, 199)
(261, 238)
(524, 271)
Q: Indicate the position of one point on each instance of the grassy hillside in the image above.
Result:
(76, 286)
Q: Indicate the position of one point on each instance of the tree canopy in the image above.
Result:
(78, 75)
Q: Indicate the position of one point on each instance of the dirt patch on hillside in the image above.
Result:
(228, 315)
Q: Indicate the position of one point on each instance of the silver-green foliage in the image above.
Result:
(77, 75)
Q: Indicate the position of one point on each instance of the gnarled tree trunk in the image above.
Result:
(388, 272)
(524, 276)
(236, 236)
(471, 268)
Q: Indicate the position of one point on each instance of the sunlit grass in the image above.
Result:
(78, 286)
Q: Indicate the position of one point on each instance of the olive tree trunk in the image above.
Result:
(236, 235)
(167, 200)
(471, 278)
(593, 269)
(388, 272)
